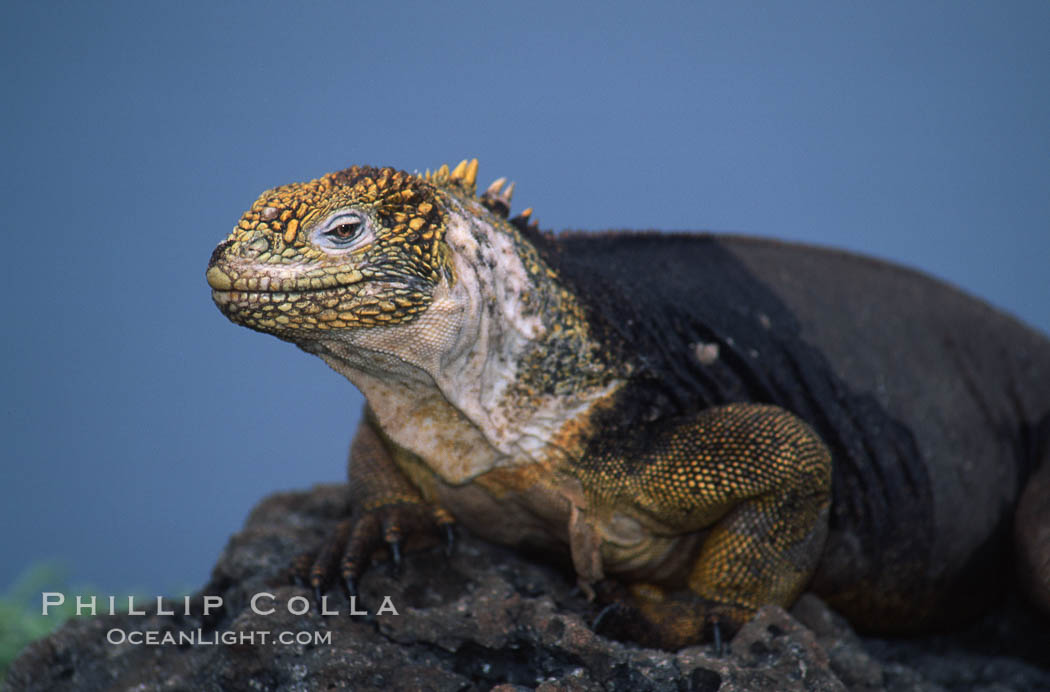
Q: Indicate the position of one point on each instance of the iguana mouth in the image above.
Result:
(225, 281)
(283, 305)
(265, 296)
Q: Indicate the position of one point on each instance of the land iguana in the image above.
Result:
(718, 422)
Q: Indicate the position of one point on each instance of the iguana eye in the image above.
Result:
(344, 231)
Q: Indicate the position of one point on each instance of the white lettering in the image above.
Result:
(160, 607)
(131, 607)
(47, 599)
(255, 603)
(387, 607)
(324, 607)
(81, 605)
(305, 605)
(353, 607)
(116, 632)
(212, 602)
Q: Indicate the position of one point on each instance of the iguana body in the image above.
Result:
(716, 421)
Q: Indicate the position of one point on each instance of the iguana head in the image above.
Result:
(418, 290)
(362, 247)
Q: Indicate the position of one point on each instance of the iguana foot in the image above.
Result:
(623, 622)
(353, 543)
(315, 569)
(652, 618)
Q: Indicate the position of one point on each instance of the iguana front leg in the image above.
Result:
(386, 508)
(756, 480)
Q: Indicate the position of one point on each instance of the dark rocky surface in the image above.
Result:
(490, 618)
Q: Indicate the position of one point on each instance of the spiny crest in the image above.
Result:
(464, 176)
(405, 202)
(496, 197)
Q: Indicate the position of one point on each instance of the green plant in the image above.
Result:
(21, 620)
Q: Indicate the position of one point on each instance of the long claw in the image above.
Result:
(716, 633)
(301, 569)
(347, 552)
(450, 540)
(349, 587)
(602, 615)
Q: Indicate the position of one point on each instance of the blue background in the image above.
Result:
(139, 426)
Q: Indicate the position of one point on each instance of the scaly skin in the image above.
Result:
(503, 393)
